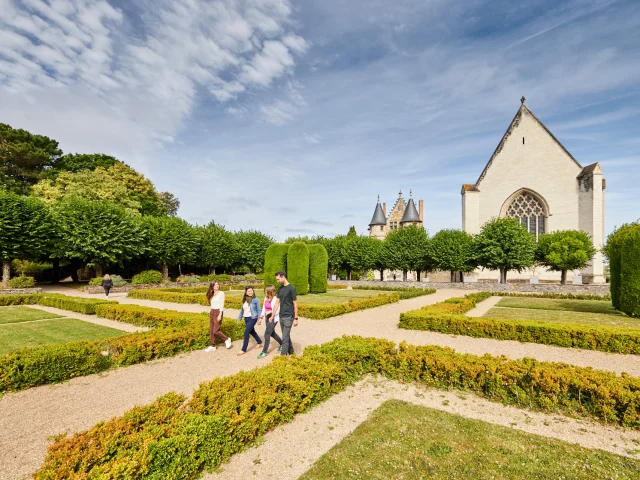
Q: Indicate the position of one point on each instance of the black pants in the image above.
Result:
(270, 332)
(106, 291)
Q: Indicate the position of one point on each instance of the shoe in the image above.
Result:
(262, 355)
(280, 348)
(240, 353)
(227, 343)
(259, 346)
(210, 348)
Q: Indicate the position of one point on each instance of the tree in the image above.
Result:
(360, 253)
(503, 244)
(170, 241)
(26, 230)
(170, 203)
(452, 250)
(378, 254)
(406, 249)
(98, 233)
(24, 158)
(251, 247)
(77, 162)
(352, 232)
(565, 250)
(336, 250)
(217, 246)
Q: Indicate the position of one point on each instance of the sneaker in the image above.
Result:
(227, 343)
(210, 348)
(262, 355)
(280, 348)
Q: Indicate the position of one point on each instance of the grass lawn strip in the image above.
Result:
(50, 332)
(401, 440)
(20, 314)
(314, 433)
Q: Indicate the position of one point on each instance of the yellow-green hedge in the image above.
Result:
(56, 300)
(173, 438)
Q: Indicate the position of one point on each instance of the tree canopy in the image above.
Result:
(170, 241)
(565, 250)
(406, 249)
(452, 250)
(77, 162)
(217, 246)
(250, 248)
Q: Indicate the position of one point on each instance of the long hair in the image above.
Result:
(244, 298)
(270, 292)
(210, 291)
(107, 277)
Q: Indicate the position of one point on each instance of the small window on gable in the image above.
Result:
(523, 140)
(381, 228)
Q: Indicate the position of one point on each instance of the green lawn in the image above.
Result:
(332, 297)
(23, 314)
(592, 312)
(16, 336)
(404, 441)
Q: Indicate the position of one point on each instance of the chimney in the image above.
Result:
(421, 210)
(384, 209)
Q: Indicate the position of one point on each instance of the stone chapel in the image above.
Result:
(531, 176)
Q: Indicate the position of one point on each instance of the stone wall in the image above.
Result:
(19, 291)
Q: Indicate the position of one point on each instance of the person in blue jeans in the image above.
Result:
(250, 311)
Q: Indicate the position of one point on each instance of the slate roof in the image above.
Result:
(378, 216)
(588, 169)
(411, 213)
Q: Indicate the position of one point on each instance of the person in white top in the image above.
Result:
(270, 301)
(215, 296)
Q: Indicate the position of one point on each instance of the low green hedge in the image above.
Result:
(147, 277)
(336, 286)
(448, 317)
(22, 282)
(56, 300)
(176, 438)
(559, 296)
(171, 296)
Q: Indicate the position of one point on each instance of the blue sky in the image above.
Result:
(291, 117)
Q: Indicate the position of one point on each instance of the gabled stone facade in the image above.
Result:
(381, 224)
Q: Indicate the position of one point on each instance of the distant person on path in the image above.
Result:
(215, 296)
(107, 284)
(270, 301)
(287, 309)
(250, 311)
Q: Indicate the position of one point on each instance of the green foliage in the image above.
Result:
(630, 272)
(503, 244)
(251, 247)
(568, 296)
(117, 280)
(275, 260)
(318, 268)
(81, 161)
(452, 250)
(565, 250)
(56, 300)
(336, 250)
(613, 250)
(24, 158)
(148, 277)
(298, 267)
(170, 240)
(370, 276)
(407, 249)
(170, 203)
(217, 246)
(98, 232)
(22, 282)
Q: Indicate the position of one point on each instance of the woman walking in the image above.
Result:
(250, 311)
(107, 284)
(215, 296)
(270, 301)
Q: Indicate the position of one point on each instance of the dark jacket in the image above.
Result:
(107, 283)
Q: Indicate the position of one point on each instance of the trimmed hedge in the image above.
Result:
(448, 317)
(558, 296)
(147, 277)
(22, 282)
(298, 267)
(275, 260)
(173, 438)
(630, 272)
(56, 300)
(335, 286)
(318, 268)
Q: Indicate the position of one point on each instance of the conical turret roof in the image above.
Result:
(378, 216)
(410, 213)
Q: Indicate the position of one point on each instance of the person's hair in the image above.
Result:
(246, 289)
(211, 290)
(270, 292)
(107, 277)
(281, 274)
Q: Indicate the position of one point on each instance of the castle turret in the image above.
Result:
(378, 222)
(411, 215)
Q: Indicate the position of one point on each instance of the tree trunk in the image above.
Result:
(98, 270)
(382, 274)
(165, 272)
(418, 275)
(56, 270)
(349, 275)
(74, 271)
(563, 277)
(453, 276)
(404, 275)
(6, 272)
(503, 275)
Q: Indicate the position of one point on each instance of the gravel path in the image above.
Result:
(317, 431)
(483, 307)
(28, 418)
(125, 327)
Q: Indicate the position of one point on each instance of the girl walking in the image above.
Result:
(215, 296)
(270, 301)
(107, 284)
(250, 311)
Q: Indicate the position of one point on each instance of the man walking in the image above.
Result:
(288, 308)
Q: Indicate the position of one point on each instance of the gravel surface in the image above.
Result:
(30, 417)
(317, 431)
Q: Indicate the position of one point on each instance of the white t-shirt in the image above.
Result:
(217, 301)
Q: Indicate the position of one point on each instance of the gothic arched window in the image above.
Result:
(530, 210)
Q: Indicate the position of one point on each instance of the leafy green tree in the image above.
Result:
(98, 233)
(378, 256)
(503, 244)
(77, 162)
(251, 247)
(24, 158)
(360, 254)
(352, 232)
(170, 203)
(407, 249)
(170, 241)
(26, 230)
(336, 250)
(452, 250)
(217, 247)
(565, 250)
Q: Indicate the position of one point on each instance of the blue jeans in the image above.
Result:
(250, 329)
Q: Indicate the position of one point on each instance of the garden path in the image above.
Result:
(483, 307)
